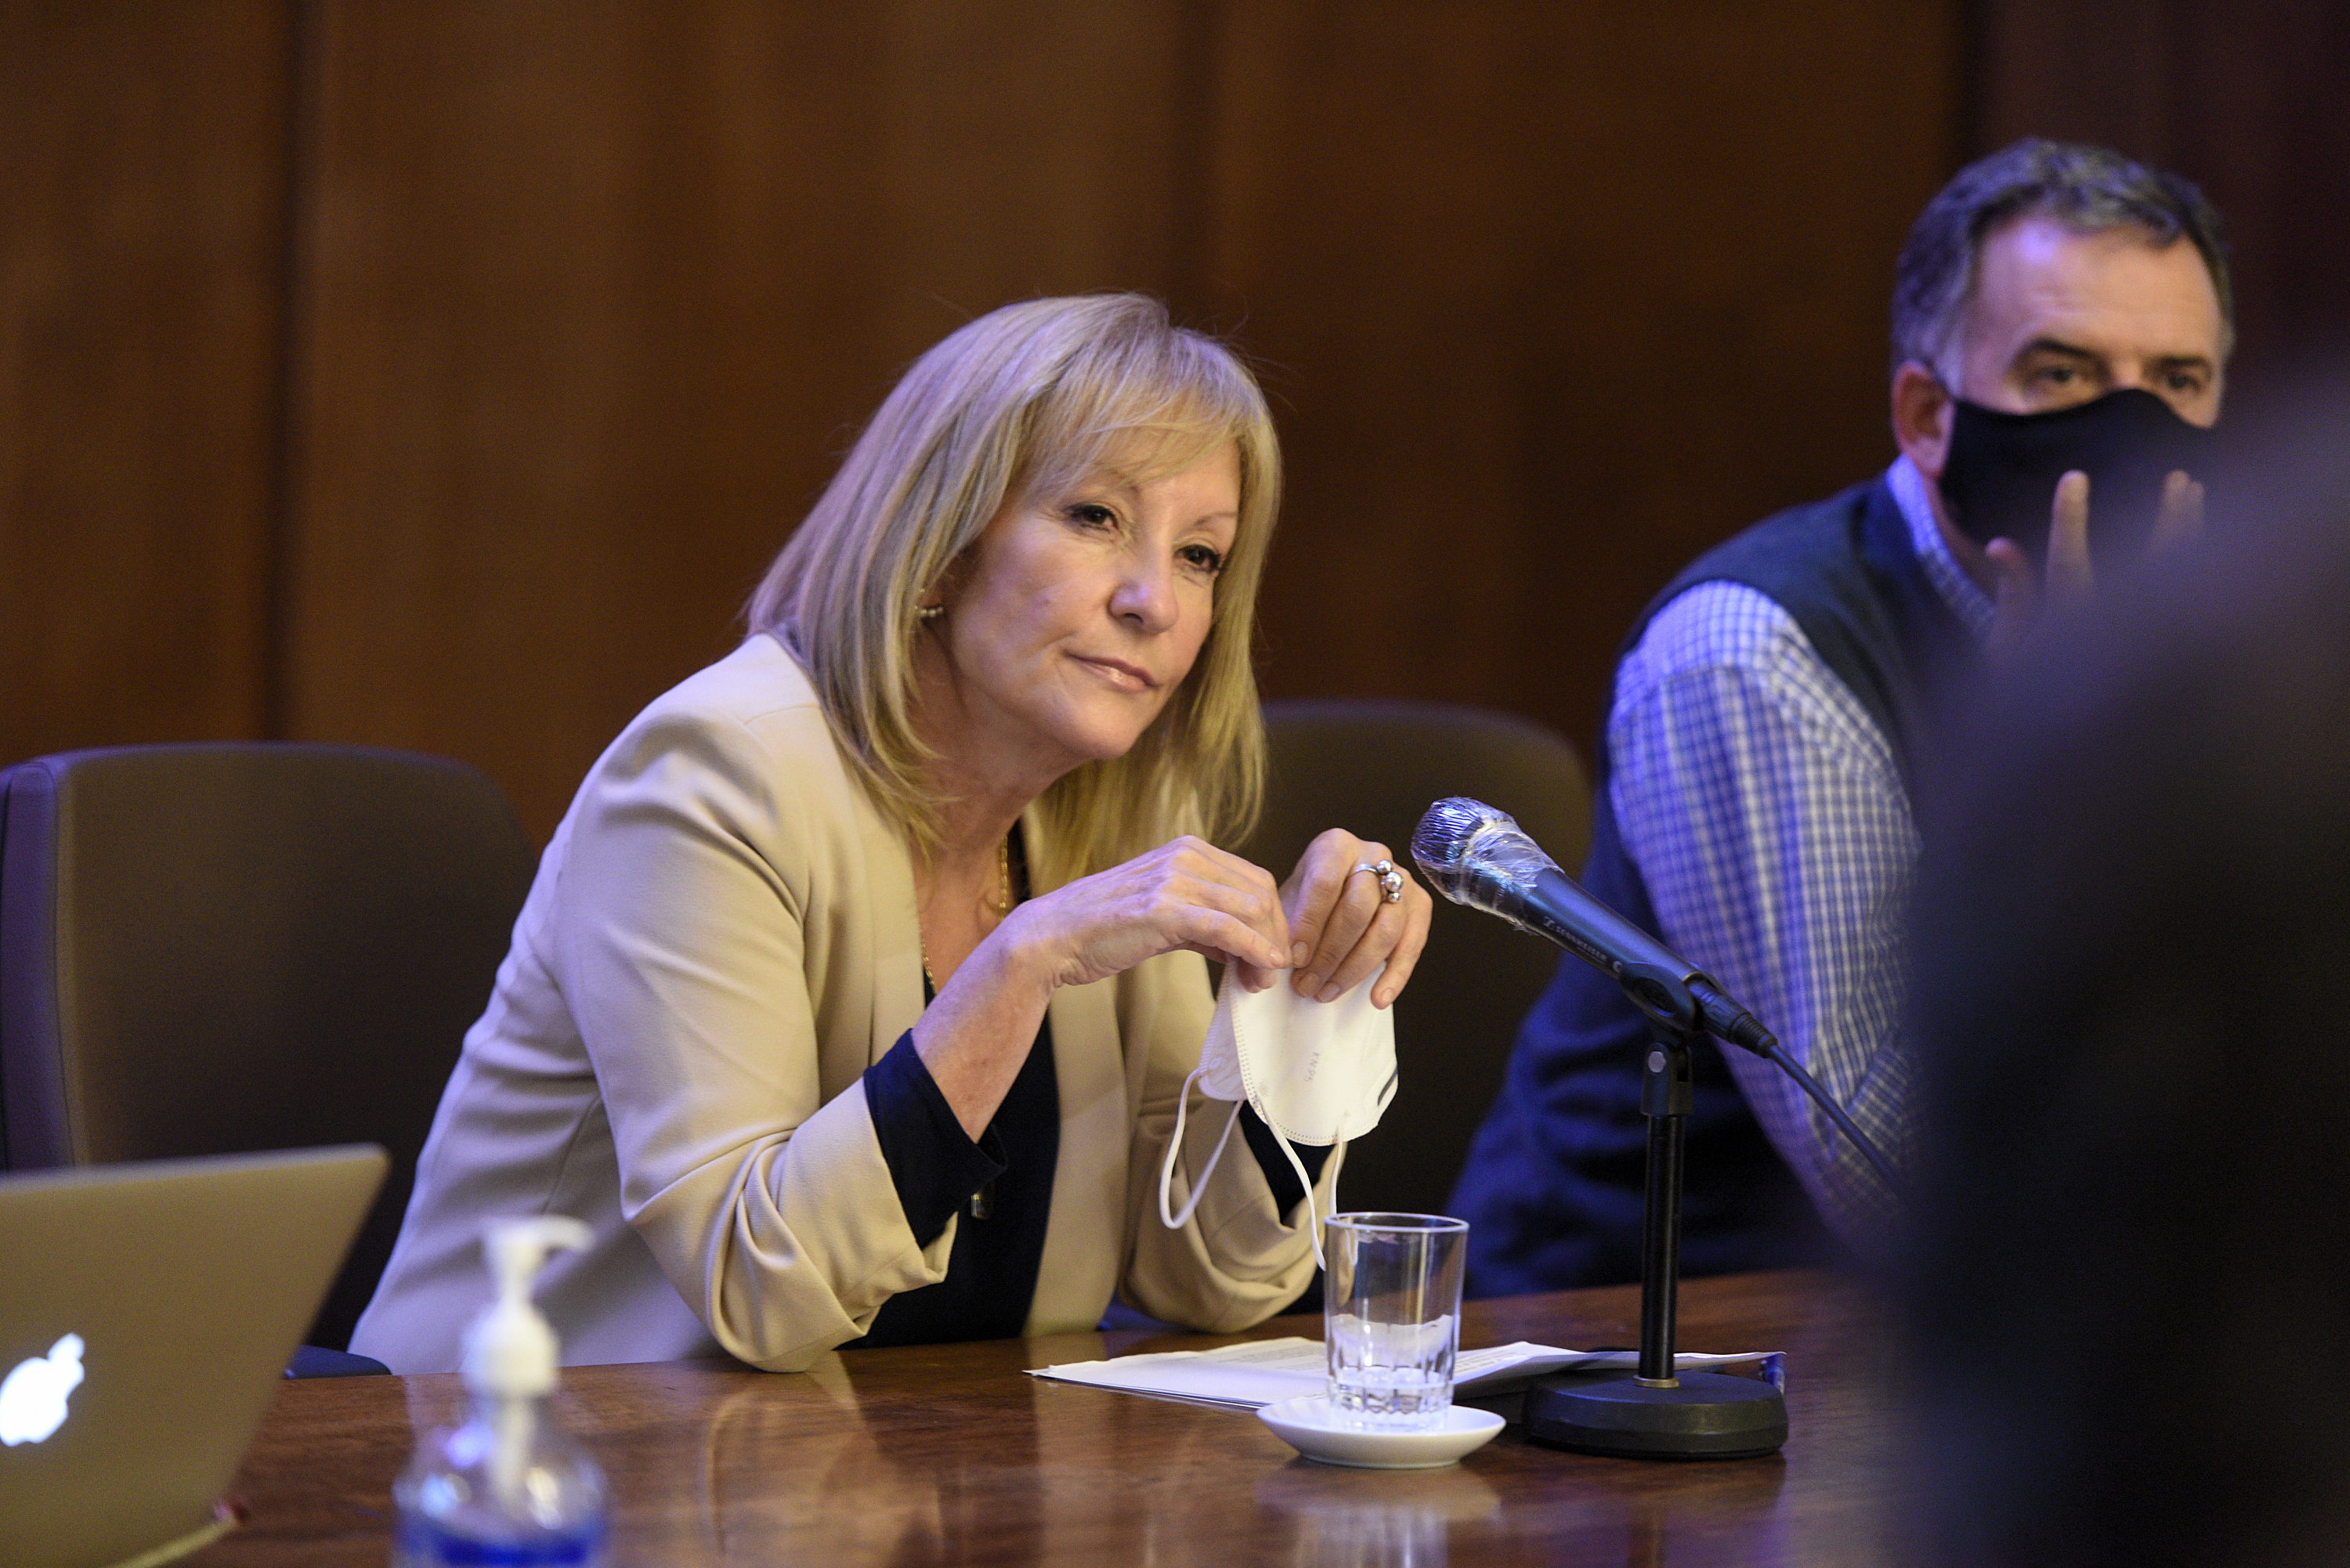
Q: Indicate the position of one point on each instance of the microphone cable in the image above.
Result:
(1836, 1113)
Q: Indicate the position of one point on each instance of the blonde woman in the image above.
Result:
(855, 990)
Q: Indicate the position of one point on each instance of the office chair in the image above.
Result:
(221, 948)
(1372, 768)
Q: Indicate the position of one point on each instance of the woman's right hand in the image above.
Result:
(1185, 895)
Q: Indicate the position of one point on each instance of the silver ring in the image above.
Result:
(1390, 879)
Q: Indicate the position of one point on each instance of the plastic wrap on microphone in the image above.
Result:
(1479, 857)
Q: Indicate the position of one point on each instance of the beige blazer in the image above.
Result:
(722, 938)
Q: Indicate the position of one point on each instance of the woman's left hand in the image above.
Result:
(1341, 926)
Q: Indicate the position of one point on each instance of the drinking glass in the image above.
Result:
(1390, 1316)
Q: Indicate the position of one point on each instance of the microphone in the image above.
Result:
(1479, 857)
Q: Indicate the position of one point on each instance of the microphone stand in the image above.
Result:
(1658, 1412)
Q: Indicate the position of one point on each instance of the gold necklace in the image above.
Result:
(1003, 875)
(1001, 903)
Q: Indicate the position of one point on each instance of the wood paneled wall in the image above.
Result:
(1556, 297)
(142, 207)
(597, 294)
(2245, 98)
(591, 296)
(441, 373)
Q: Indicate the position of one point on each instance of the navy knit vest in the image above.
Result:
(1552, 1186)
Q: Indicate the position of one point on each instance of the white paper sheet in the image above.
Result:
(1244, 1376)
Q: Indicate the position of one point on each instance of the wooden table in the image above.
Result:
(947, 1454)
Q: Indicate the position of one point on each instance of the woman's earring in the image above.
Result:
(926, 614)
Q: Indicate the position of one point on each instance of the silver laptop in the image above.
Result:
(146, 1314)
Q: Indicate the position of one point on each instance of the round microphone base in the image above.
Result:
(1708, 1416)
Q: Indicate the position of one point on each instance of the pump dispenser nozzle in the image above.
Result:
(510, 1350)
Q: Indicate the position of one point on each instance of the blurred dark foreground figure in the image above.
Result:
(2129, 1293)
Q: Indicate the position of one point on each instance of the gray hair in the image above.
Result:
(2087, 189)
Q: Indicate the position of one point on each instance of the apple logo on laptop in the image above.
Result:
(33, 1398)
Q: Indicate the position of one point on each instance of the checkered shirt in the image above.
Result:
(1769, 820)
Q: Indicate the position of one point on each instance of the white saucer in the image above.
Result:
(1309, 1425)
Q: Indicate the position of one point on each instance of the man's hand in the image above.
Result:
(2069, 580)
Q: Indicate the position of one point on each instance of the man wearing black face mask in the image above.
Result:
(2059, 324)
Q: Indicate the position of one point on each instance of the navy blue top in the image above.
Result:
(1003, 1183)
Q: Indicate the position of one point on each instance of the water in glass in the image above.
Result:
(1390, 1316)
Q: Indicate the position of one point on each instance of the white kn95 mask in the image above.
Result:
(1318, 1073)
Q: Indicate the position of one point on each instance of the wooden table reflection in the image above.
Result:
(940, 1454)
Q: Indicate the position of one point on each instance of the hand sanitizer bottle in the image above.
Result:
(507, 1487)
